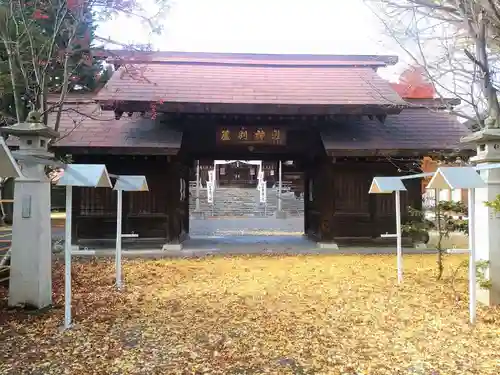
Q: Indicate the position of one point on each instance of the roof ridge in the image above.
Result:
(261, 57)
(243, 63)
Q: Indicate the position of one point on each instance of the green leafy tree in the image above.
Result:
(46, 48)
(446, 217)
(86, 72)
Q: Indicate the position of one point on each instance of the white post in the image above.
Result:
(280, 183)
(118, 254)
(215, 174)
(197, 185)
(472, 257)
(67, 258)
(260, 169)
(437, 211)
(210, 187)
(486, 220)
(399, 250)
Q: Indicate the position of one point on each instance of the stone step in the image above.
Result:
(245, 202)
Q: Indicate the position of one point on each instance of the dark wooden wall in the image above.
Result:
(237, 174)
(339, 205)
(159, 214)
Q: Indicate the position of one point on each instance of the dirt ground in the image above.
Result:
(257, 315)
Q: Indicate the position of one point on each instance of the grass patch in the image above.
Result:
(454, 240)
(257, 315)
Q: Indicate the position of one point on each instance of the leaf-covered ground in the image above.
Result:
(257, 315)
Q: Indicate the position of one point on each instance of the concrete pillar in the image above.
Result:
(197, 213)
(31, 255)
(487, 223)
(280, 214)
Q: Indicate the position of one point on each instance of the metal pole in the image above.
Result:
(118, 253)
(67, 258)
(280, 182)
(472, 257)
(197, 185)
(399, 250)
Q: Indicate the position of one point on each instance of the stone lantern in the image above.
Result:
(487, 223)
(31, 255)
(34, 137)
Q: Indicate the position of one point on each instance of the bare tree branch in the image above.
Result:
(456, 43)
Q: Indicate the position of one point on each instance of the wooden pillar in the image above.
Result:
(172, 202)
(307, 205)
(186, 209)
(177, 202)
(326, 201)
(313, 210)
(185, 203)
(372, 208)
(320, 211)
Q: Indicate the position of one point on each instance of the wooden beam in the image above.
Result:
(396, 152)
(140, 151)
(251, 109)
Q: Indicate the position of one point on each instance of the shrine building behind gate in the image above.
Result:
(334, 116)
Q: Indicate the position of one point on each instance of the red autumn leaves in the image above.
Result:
(72, 4)
(80, 43)
(414, 85)
(39, 14)
(153, 108)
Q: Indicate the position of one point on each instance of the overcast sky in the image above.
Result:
(262, 26)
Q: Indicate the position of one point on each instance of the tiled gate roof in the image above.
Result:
(412, 129)
(277, 80)
(85, 125)
(261, 79)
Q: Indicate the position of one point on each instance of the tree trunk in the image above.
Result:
(13, 78)
(489, 91)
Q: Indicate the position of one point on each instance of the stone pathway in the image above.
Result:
(241, 226)
(261, 236)
(241, 235)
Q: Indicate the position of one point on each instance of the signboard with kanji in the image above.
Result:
(251, 135)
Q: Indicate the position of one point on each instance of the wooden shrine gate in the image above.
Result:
(337, 205)
(333, 115)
